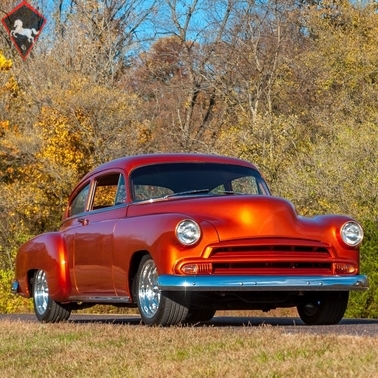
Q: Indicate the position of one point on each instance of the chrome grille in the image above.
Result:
(268, 248)
(281, 258)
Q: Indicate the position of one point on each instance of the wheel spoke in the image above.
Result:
(156, 307)
(149, 293)
(41, 292)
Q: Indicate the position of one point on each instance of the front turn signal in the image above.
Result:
(345, 268)
(195, 269)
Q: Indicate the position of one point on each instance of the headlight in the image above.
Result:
(188, 232)
(352, 233)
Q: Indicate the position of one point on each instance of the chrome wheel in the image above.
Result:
(41, 292)
(148, 292)
(46, 309)
(156, 307)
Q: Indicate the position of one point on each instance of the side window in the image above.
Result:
(106, 191)
(121, 193)
(78, 203)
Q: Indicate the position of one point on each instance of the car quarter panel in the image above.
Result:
(47, 252)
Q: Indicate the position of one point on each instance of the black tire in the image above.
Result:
(200, 315)
(46, 309)
(328, 309)
(156, 307)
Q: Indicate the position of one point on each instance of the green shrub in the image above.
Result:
(10, 303)
(365, 304)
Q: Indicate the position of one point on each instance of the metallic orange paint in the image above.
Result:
(95, 254)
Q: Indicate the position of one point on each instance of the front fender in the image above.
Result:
(49, 253)
(330, 226)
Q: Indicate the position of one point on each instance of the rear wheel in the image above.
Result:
(329, 308)
(46, 309)
(156, 307)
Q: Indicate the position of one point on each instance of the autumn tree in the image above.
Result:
(181, 104)
(62, 113)
(13, 144)
(338, 171)
(251, 71)
(98, 36)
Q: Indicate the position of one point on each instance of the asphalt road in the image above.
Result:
(353, 327)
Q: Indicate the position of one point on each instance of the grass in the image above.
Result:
(122, 350)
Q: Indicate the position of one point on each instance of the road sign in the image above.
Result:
(24, 24)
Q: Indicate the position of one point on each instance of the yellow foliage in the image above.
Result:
(5, 64)
(61, 141)
(12, 85)
(4, 125)
(345, 45)
(83, 125)
(144, 134)
(10, 303)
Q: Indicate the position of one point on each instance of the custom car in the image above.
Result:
(181, 236)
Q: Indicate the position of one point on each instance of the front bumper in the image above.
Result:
(262, 283)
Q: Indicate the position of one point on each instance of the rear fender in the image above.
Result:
(47, 252)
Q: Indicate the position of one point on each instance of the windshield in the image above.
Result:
(170, 179)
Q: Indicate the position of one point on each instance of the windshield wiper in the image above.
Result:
(228, 192)
(195, 191)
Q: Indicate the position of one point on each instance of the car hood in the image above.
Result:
(239, 216)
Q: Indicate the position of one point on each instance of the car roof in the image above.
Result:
(128, 163)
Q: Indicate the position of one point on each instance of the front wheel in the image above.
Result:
(328, 309)
(200, 315)
(46, 309)
(156, 307)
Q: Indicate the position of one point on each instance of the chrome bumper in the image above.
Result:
(262, 283)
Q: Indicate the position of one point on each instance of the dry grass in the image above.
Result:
(121, 350)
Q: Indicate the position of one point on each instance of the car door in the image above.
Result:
(91, 236)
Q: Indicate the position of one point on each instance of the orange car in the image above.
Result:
(181, 236)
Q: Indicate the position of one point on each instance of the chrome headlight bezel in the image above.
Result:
(188, 232)
(351, 233)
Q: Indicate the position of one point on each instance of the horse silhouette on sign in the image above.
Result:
(28, 33)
